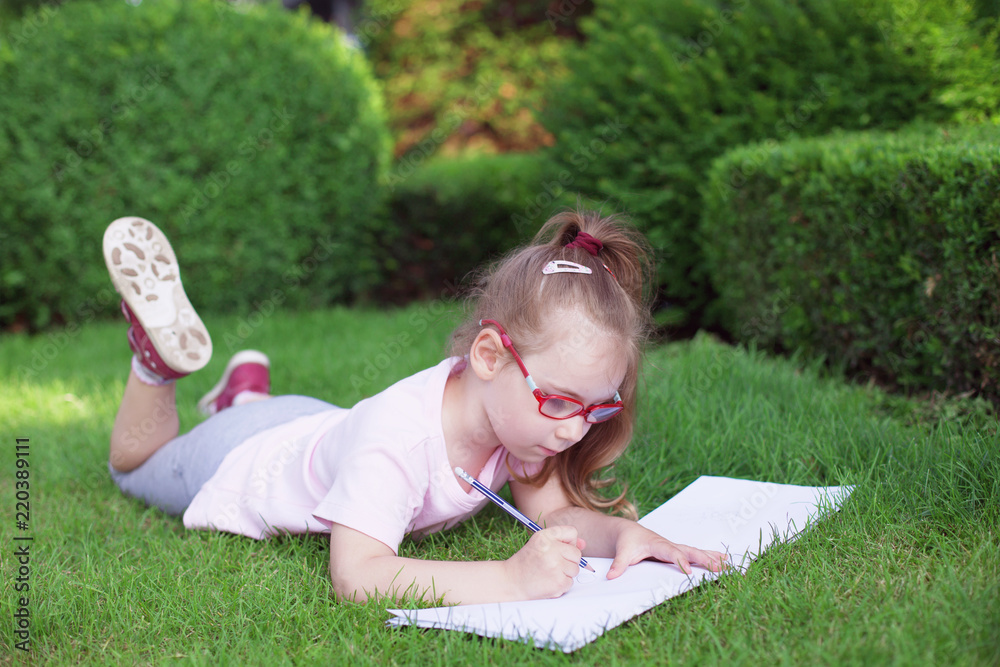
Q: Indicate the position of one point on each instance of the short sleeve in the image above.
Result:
(376, 493)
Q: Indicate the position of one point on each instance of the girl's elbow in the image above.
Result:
(347, 587)
(353, 584)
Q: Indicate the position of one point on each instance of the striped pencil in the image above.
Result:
(508, 508)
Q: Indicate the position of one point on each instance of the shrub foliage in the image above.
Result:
(690, 79)
(255, 139)
(879, 251)
(454, 214)
(461, 75)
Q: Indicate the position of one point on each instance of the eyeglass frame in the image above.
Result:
(542, 397)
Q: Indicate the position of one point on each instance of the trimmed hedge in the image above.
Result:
(689, 79)
(453, 214)
(879, 251)
(254, 138)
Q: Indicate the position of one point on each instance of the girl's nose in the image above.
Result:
(573, 429)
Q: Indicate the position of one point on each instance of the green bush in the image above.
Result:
(12, 9)
(879, 251)
(453, 214)
(687, 80)
(255, 139)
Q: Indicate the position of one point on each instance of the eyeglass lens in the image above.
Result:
(561, 409)
(558, 408)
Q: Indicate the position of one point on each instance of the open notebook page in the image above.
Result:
(740, 517)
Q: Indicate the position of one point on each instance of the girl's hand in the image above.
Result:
(636, 543)
(546, 566)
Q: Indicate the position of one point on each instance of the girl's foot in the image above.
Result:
(247, 378)
(167, 336)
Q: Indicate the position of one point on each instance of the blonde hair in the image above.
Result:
(615, 298)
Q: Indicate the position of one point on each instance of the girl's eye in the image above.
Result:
(557, 407)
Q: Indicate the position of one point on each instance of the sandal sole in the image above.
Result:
(144, 271)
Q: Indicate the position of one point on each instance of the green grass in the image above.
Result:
(908, 572)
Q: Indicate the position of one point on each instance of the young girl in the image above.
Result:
(540, 394)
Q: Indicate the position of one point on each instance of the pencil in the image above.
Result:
(508, 508)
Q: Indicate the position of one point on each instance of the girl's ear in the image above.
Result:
(484, 357)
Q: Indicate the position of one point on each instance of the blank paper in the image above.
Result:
(739, 517)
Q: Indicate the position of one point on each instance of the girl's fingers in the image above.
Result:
(668, 552)
(711, 559)
(683, 556)
(624, 557)
(565, 534)
(719, 560)
(618, 566)
(683, 563)
(664, 550)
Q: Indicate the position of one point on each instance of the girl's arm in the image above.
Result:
(361, 567)
(607, 536)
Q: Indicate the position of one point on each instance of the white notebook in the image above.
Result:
(737, 516)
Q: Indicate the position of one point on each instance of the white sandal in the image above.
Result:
(167, 335)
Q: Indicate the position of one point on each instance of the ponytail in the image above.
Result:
(623, 250)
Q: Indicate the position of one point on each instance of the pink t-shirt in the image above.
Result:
(380, 467)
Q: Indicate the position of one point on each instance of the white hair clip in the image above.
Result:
(559, 266)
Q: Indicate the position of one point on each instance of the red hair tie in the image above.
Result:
(587, 242)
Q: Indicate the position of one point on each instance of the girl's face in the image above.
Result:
(589, 368)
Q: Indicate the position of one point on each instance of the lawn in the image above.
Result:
(907, 572)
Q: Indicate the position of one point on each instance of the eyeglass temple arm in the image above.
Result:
(505, 339)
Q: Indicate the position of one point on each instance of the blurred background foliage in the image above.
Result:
(473, 72)
(471, 121)
(255, 138)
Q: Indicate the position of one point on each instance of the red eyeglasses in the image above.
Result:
(554, 406)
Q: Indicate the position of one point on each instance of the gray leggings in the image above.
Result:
(170, 478)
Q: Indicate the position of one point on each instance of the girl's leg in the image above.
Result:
(166, 336)
(147, 417)
(146, 420)
(175, 472)
(148, 460)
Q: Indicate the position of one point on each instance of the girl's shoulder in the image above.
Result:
(425, 384)
(413, 404)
